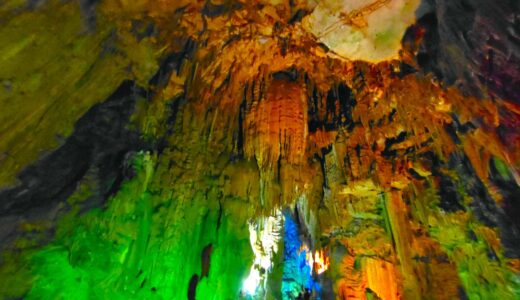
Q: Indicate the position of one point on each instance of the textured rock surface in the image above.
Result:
(362, 29)
(221, 150)
(475, 44)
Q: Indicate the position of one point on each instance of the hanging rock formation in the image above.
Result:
(233, 149)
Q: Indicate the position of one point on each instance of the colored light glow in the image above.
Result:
(252, 282)
(297, 273)
(317, 262)
(321, 262)
(264, 235)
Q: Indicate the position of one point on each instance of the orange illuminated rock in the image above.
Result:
(381, 278)
(276, 125)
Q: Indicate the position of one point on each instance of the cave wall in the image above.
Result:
(225, 150)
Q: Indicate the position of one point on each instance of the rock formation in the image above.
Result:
(267, 149)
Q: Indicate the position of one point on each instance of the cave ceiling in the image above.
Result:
(234, 149)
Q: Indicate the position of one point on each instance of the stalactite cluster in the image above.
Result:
(259, 150)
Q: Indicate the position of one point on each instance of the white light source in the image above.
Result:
(264, 235)
(252, 282)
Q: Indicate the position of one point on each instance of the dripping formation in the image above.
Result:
(259, 149)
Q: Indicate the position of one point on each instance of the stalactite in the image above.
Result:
(259, 150)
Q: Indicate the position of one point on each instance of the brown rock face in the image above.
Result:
(276, 125)
(259, 149)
